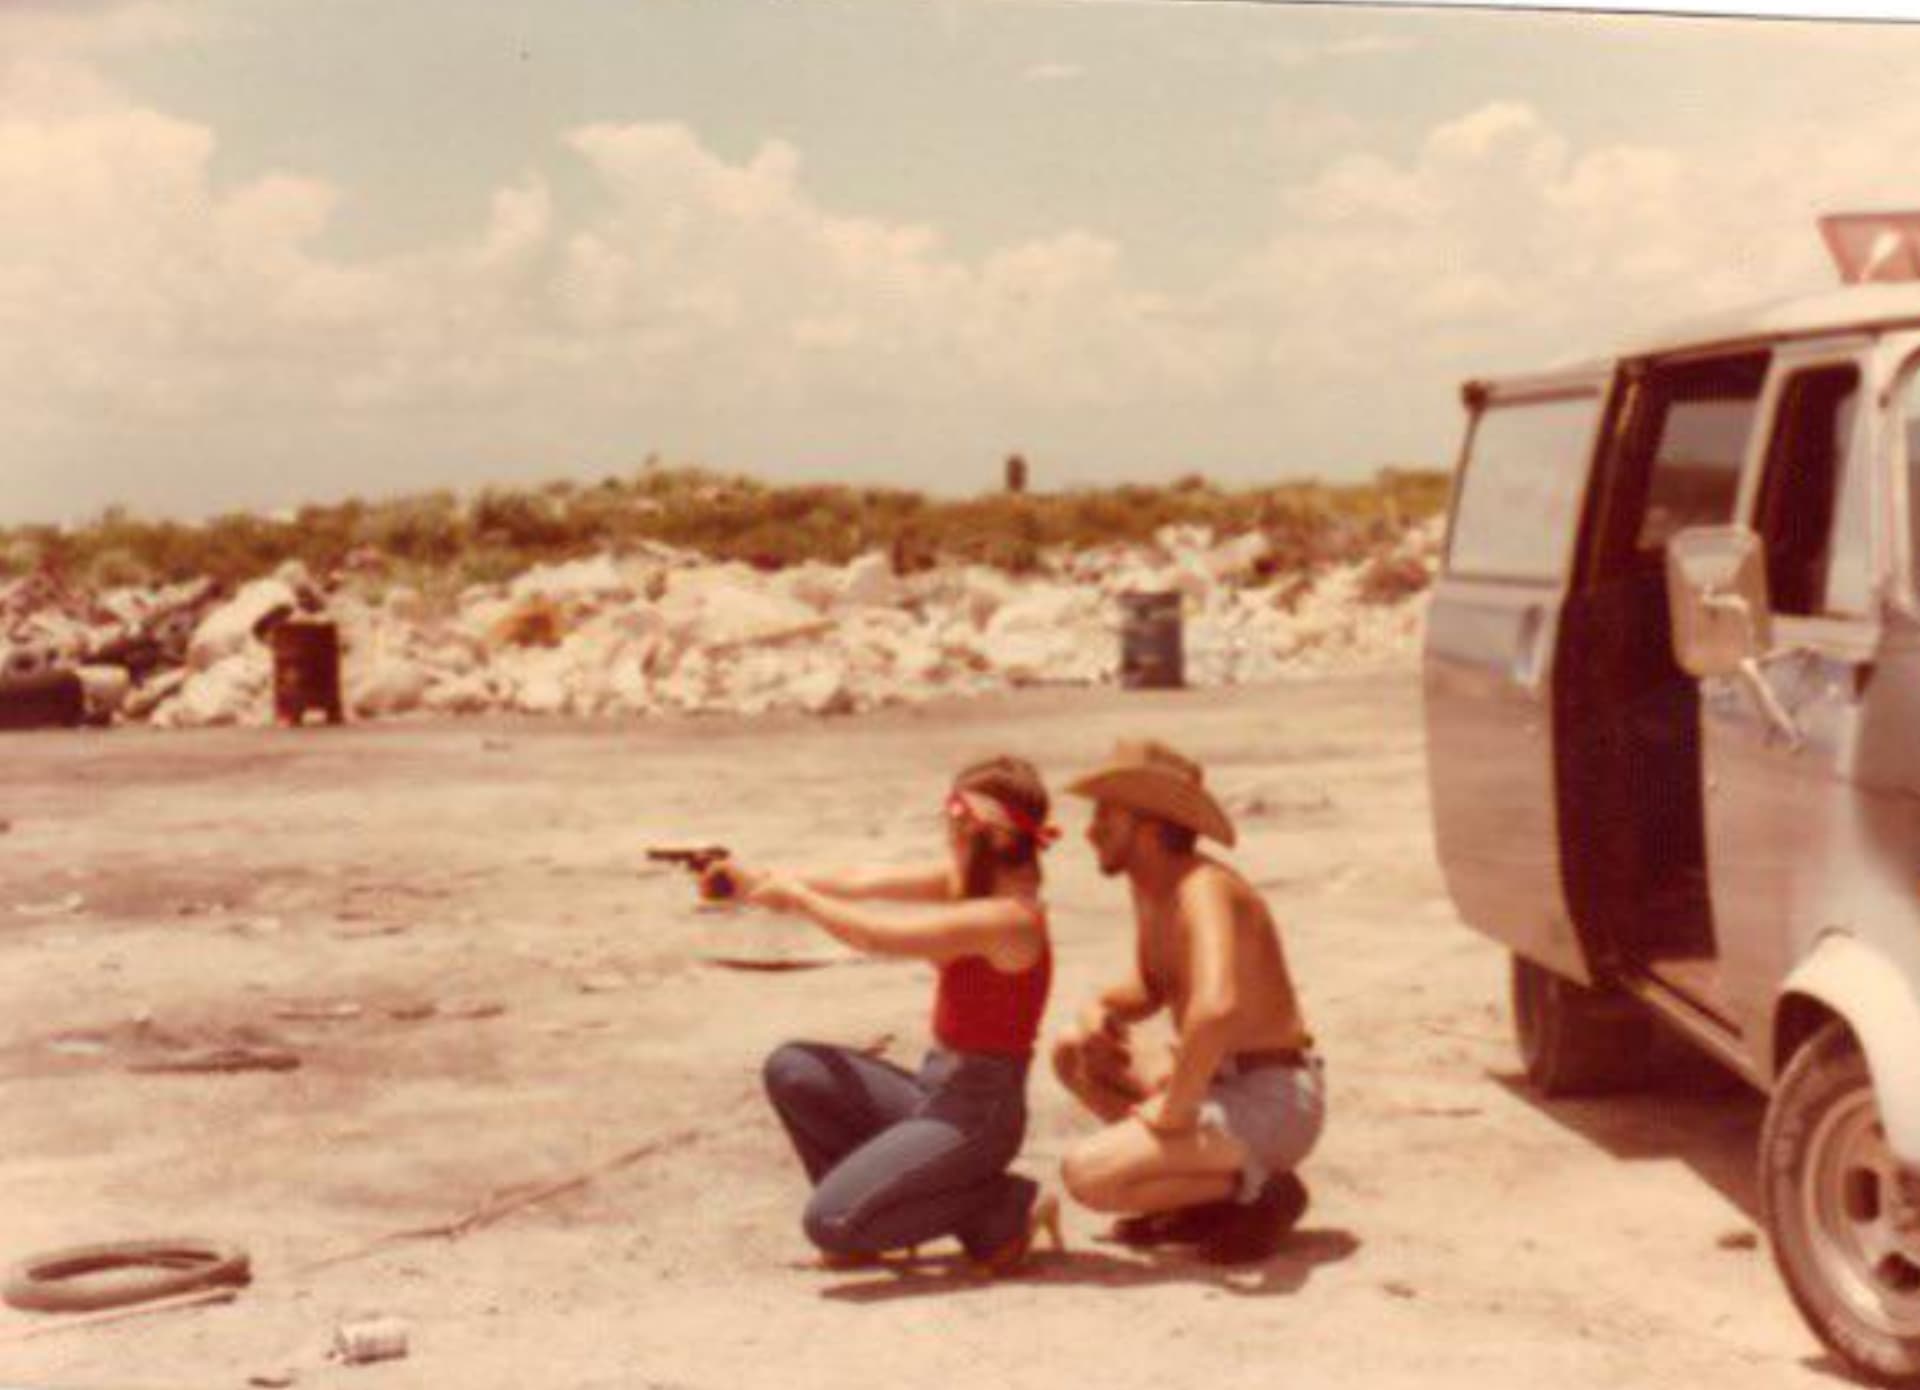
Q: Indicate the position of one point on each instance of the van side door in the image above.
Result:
(1781, 815)
(1488, 666)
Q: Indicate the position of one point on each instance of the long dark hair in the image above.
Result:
(1014, 783)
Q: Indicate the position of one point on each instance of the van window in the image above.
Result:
(1813, 514)
(1699, 416)
(1520, 493)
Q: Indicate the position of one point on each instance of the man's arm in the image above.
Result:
(1206, 900)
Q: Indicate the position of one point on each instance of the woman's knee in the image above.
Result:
(791, 1068)
(831, 1226)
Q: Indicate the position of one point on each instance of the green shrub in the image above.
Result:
(502, 531)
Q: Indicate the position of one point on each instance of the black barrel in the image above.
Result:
(44, 700)
(1152, 654)
(306, 670)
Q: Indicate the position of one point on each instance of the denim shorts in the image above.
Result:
(1276, 1112)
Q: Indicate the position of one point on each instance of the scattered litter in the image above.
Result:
(675, 632)
(1394, 1288)
(602, 984)
(229, 1058)
(774, 963)
(79, 1045)
(137, 1271)
(1739, 1240)
(473, 1008)
(413, 1011)
(364, 929)
(60, 907)
(498, 1208)
(274, 1380)
(369, 1339)
(159, 1305)
(335, 1012)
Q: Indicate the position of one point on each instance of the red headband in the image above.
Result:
(1042, 835)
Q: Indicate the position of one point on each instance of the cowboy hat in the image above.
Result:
(1145, 775)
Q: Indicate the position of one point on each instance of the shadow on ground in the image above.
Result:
(1691, 1111)
(1286, 1273)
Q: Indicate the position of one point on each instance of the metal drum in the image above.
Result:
(44, 700)
(306, 670)
(1152, 652)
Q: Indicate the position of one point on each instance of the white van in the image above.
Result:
(1672, 680)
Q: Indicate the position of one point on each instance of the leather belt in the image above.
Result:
(1271, 1057)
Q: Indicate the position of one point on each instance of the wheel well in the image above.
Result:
(1799, 1018)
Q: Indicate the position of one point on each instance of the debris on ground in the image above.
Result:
(369, 1339)
(661, 630)
(229, 1058)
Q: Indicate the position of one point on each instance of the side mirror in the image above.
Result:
(1717, 598)
(1722, 621)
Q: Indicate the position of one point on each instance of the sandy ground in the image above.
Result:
(1461, 1234)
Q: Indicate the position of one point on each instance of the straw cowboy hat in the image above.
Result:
(1145, 775)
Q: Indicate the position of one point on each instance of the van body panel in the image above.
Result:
(1490, 758)
(1785, 853)
(1493, 626)
(1871, 989)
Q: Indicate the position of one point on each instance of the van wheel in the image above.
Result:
(1844, 1222)
(1577, 1041)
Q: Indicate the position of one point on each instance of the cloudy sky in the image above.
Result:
(256, 252)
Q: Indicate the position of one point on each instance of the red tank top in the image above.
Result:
(979, 1008)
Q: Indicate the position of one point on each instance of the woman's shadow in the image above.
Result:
(1114, 1267)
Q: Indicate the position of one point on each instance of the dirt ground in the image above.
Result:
(520, 996)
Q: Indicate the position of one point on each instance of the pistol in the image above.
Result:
(699, 861)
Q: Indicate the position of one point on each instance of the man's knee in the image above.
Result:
(1089, 1178)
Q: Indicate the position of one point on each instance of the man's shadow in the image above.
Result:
(1107, 1266)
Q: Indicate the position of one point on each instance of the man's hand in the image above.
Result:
(1098, 1021)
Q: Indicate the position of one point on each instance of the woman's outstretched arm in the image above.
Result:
(1008, 933)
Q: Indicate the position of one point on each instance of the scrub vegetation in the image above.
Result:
(497, 532)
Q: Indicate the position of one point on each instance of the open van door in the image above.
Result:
(1492, 629)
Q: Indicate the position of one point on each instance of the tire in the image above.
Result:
(55, 1282)
(1844, 1228)
(1576, 1041)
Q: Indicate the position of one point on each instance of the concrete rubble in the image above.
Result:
(659, 630)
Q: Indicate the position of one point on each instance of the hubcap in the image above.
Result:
(1862, 1218)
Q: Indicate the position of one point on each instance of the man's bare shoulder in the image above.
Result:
(1213, 885)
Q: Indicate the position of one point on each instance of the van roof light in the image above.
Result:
(1873, 246)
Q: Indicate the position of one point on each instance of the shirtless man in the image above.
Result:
(1206, 1153)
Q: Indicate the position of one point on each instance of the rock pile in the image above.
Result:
(666, 631)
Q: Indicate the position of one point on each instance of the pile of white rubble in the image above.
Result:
(666, 631)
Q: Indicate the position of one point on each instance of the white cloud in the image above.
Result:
(1302, 53)
(75, 27)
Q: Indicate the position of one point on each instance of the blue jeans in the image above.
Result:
(898, 1159)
